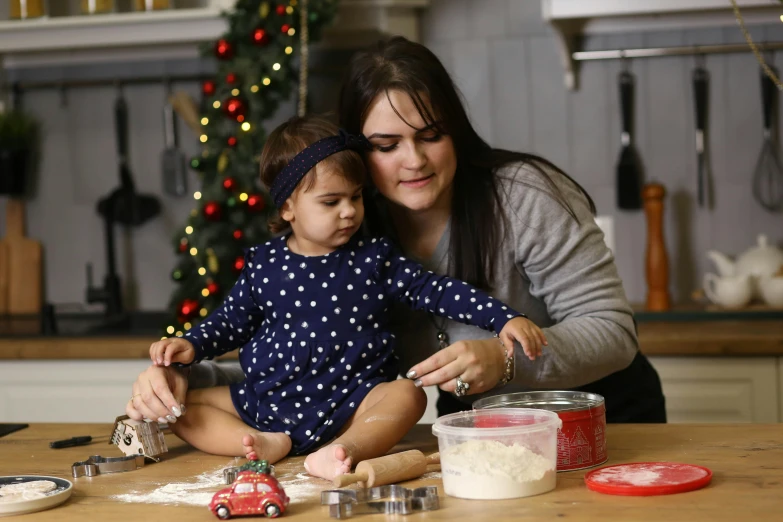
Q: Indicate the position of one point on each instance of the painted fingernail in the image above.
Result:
(147, 420)
(183, 409)
(176, 411)
(171, 418)
(417, 383)
(411, 374)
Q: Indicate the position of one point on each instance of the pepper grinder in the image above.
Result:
(657, 260)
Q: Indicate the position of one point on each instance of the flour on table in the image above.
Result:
(198, 492)
(488, 469)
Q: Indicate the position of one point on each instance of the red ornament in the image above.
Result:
(208, 88)
(285, 28)
(255, 203)
(183, 246)
(231, 78)
(224, 50)
(260, 37)
(280, 10)
(212, 211)
(229, 183)
(237, 234)
(232, 141)
(188, 308)
(234, 107)
(239, 264)
(212, 288)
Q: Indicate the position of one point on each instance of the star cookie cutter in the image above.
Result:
(392, 499)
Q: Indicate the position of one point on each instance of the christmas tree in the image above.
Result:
(256, 71)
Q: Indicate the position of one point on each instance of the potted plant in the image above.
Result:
(18, 141)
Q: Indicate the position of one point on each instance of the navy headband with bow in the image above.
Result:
(292, 174)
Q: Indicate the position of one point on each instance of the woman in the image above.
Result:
(507, 222)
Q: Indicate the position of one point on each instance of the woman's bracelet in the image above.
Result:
(508, 371)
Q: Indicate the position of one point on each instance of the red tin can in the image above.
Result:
(581, 442)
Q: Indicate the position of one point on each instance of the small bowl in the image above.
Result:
(498, 454)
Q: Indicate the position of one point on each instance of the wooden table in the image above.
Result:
(747, 462)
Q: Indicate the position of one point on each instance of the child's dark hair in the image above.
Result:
(292, 137)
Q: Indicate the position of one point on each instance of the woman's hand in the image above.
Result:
(480, 363)
(158, 394)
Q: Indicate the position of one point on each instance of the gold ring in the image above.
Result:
(134, 396)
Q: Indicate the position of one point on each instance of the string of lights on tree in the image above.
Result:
(256, 61)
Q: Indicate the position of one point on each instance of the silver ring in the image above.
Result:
(462, 387)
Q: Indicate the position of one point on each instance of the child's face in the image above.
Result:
(326, 216)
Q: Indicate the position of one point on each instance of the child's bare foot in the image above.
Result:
(266, 446)
(328, 462)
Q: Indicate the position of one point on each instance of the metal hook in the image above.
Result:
(63, 95)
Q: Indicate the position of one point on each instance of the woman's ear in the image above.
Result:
(287, 211)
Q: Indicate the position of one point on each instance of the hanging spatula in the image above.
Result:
(173, 163)
(629, 176)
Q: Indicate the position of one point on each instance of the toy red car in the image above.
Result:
(251, 493)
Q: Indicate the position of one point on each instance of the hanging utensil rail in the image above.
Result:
(685, 50)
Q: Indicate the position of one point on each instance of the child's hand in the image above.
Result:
(173, 349)
(526, 333)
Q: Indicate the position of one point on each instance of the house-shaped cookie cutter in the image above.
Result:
(392, 499)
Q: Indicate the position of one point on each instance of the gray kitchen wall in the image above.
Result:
(506, 62)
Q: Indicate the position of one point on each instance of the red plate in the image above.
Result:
(645, 479)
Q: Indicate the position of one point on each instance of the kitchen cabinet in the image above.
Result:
(175, 32)
(573, 20)
(721, 389)
(82, 390)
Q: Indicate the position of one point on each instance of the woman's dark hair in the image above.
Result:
(292, 137)
(398, 64)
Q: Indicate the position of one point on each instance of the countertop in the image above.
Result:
(746, 460)
(681, 332)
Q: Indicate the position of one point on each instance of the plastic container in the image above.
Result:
(581, 442)
(498, 454)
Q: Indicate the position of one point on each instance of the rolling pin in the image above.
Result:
(657, 261)
(388, 469)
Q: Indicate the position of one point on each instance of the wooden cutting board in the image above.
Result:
(24, 267)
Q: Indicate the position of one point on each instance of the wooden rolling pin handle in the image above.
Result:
(340, 481)
(657, 261)
(433, 458)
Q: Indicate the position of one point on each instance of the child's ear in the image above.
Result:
(286, 211)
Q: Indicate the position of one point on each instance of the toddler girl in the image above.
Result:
(309, 315)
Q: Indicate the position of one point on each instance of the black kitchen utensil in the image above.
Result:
(173, 163)
(700, 86)
(629, 176)
(126, 207)
(768, 175)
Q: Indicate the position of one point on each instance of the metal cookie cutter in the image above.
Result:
(97, 465)
(344, 503)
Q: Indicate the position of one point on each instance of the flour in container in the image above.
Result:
(488, 469)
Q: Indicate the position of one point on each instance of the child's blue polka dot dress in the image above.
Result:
(313, 335)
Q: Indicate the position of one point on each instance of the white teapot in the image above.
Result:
(763, 260)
